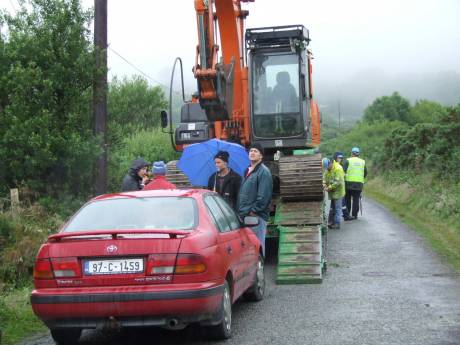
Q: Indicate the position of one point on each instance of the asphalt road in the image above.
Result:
(383, 286)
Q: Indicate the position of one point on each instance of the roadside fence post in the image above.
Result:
(14, 194)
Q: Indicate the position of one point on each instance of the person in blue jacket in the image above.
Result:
(256, 192)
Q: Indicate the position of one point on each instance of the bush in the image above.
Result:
(368, 137)
(425, 111)
(432, 147)
(22, 235)
(392, 108)
(133, 105)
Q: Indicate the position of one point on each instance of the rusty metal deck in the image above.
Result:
(176, 176)
(301, 177)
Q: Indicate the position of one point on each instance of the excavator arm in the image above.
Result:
(223, 82)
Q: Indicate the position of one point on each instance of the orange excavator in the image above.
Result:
(255, 85)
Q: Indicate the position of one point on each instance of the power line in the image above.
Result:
(140, 71)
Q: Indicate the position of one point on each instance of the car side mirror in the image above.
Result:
(164, 119)
(251, 221)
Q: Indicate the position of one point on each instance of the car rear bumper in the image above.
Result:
(129, 305)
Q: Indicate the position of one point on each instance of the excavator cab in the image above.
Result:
(278, 83)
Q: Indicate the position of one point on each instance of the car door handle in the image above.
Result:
(229, 249)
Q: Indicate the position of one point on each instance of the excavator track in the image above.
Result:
(301, 177)
(176, 176)
(300, 219)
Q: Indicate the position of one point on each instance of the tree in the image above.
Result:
(425, 111)
(393, 108)
(46, 140)
(133, 105)
(152, 145)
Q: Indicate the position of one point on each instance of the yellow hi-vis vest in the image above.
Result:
(355, 171)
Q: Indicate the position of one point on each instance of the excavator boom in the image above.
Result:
(222, 82)
(255, 85)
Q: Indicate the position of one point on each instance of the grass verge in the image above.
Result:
(17, 320)
(415, 207)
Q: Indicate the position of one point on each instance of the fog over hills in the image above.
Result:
(355, 94)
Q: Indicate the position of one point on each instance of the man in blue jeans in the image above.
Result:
(334, 185)
(256, 192)
(338, 157)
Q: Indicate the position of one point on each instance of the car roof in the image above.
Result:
(189, 192)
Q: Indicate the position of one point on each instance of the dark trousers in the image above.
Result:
(345, 212)
(349, 196)
(335, 212)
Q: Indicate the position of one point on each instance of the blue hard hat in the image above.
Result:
(326, 163)
(159, 168)
(355, 150)
(338, 154)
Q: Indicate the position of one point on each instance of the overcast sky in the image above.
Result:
(348, 37)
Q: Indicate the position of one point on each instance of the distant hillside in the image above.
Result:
(353, 96)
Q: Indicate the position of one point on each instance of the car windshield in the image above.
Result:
(168, 213)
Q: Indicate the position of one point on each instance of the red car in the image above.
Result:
(150, 258)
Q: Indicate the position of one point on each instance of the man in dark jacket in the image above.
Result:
(256, 192)
(136, 176)
(356, 172)
(225, 181)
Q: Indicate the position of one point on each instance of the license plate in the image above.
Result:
(119, 266)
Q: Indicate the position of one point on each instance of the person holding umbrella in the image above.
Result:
(256, 192)
(225, 181)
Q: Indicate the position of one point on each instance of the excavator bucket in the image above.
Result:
(219, 108)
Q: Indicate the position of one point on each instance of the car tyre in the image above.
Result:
(66, 336)
(257, 291)
(224, 329)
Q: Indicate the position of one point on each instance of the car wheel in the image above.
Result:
(66, 336)
(257, 291)
(224, 329)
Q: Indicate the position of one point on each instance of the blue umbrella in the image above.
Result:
(197, 161)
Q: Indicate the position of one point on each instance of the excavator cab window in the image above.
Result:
(275, 95)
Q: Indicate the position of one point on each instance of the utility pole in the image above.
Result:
(100, 93)
(338, 108)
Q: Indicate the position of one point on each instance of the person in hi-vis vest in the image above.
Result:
(355, 172)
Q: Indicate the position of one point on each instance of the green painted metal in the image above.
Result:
(299, 213)
(299, 259)
(302, 152)
(301, 242)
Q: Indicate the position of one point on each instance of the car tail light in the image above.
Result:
(42, 269)
(160, 264)
(189, 263)
(66, 267)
